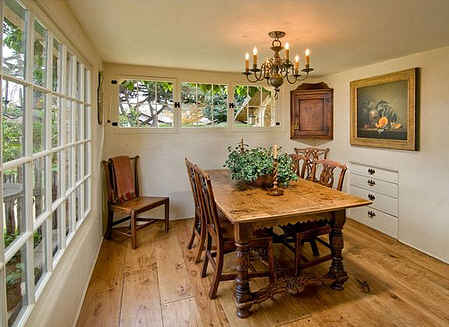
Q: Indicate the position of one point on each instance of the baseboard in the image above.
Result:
(425, 252)
(87, 284)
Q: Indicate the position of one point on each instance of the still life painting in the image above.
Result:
(383, 111)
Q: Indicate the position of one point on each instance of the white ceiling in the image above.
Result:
(215, 34)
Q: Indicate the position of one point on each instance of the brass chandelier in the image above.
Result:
(274, 70)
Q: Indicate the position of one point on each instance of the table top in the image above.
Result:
(242, 204)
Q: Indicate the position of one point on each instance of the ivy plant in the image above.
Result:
(247, 164)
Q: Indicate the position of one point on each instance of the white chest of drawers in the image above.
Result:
(381, 186)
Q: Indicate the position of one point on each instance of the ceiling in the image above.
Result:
(214, 35)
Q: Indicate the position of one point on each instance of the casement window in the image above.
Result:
(146, 103)
(45, 165)
(254, 106)
(204, 105)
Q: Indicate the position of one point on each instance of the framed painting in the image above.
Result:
(383, 111)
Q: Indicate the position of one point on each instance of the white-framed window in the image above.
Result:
(204, 105)
(146, 103)
(254, 106)
(45, 169)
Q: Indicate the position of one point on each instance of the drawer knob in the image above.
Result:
(371, 213)
(371, 171)
(371, 182)
(372, 197)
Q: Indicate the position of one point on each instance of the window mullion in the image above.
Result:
(63, 153)
(48, 163)
(74, 111)
(82, 109)
(28, 181)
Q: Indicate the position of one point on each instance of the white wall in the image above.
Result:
(61, 299)
(162, 164)
(423, 174)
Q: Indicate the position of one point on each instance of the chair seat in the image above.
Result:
(140, 204)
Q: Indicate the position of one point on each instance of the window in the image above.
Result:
(45, 115)
(145, 103)
(204, 105)
(254, 106)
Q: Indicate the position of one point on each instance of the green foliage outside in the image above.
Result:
(251, 163)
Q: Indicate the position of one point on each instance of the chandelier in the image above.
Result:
(274, 70)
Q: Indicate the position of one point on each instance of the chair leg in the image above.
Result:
(298, 252)
(206, 259)
(192, 238)
(217, 274)
(133, 230)
(271, 262)
(200, 249)
(167, 214)
(109, 226)
(314, 246)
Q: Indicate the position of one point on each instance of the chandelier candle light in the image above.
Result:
(274, 70)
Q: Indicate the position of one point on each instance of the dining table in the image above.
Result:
(250, 208)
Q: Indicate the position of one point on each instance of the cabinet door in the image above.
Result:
(311, 115)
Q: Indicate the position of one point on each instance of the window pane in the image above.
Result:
(78, 204)
(86, 86)
(86, 122)
(55, 122)
(39, 196)
(13, 115)
(254, 106)
(68, 216)
(77, 162)
(14, 39)
(68, 167)
(40, 258)
(204, 105)
(86, 158)
(13, 204)
(56, 242)
(68, 121)
(78, 80)
(56, 63)
(146, 104)
(86, 195)
(55, 176)
(40, 54)
(15, 286)
(68, 74)
(38, 121)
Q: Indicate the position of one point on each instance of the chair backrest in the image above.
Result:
(208, 206)
(298, 161)
(328, 171)
(309, 156)
(191, 174)
(121, 178)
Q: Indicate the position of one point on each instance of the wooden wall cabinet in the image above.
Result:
(311, 112)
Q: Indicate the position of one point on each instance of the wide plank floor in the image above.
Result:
(159, 285)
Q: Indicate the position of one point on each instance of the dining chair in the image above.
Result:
(124, 197)
(199, 228)
(332, 175)
(222, 236)
(309, 155)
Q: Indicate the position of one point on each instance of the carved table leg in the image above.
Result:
(336, 270)
(242, 292)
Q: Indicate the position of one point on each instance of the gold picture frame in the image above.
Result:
(383, 111)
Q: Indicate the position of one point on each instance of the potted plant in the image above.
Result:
(255, 166)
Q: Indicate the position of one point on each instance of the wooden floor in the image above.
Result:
(159, 285)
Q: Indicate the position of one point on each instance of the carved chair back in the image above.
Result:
(309, 155)
(331, 172)
(298, 161)
(111, 180)
(191, 175)
(208, 206)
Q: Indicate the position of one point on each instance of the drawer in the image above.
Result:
(378, 173)
(374, 185)
(381, 202)
(376, 219)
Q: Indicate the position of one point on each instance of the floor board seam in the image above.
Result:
(121, 300)
(179, 300)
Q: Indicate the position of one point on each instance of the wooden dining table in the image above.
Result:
(249, 208)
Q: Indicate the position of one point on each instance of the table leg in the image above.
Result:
(336, 270)
(242, 292)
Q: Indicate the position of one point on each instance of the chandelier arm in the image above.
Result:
(296, 78)
(249, 79)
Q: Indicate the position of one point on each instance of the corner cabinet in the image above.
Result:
(311, 112)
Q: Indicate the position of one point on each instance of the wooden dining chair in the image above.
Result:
(222, 238)
(124, 197)
(308, 156)
(199, 228)
(332, 175)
